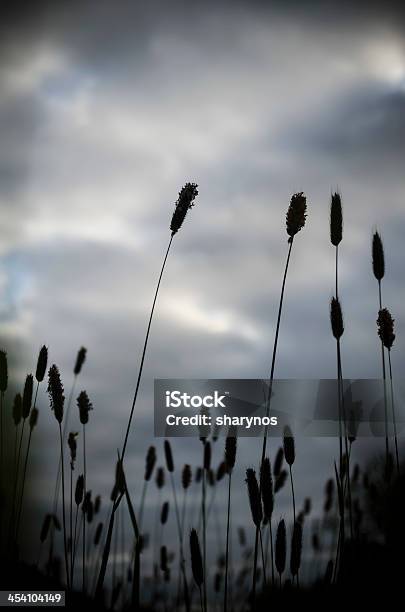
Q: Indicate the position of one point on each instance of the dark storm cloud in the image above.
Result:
(102, 29)
(367, 126)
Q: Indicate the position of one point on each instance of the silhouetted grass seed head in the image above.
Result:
(41, 364)
(150, 462)
(254, 497)
(289, 446)
(56, 392)
(230, 452)
(84, 405)
(266, 488)
(186, 476)
(27, 396)
(17, 409)
(281, 547)
(72, 444)
(378, 257)
(80, 359)
(196, 559)
(336, 220)
(385, 324)
(296, 214)
(185, 201)
(79, 490)
(169, 456)
(160, 477)
(33, 418)
(3, 371)
(336, 318)
(296, 548)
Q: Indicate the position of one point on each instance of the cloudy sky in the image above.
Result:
(108, 108)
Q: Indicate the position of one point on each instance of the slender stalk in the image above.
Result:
(63, 507)
(17, 469)
(23, 486)
(341, 535)
(183, 513)
(74, 544)
(183, 519)
(227, 545)
(84, 518)
(138, 382)
(122, 554)
(25, 468)
(292, 493)
(336, 271)
(272, 553)
(65, 429)
(142, 504)
(175, 226)
(15, 448)
(384, 369)
(71, 524)
(338, 382)
(1, 436)
(156, 529)
(343, 412)
(393, 411)
(106, 552)
(136, 578)
(203, 480)
(273, 360)
(182, 559)
(255, 567)
(269, 394)
(263, 562)
(115, 553)
(201, 599)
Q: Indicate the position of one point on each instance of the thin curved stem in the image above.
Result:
(293, 493)
(384, 370)
(17, 469)
(74, 544)
(25, 469)
(394, 420)
(263, 561)
(343, 412)
(273, 361)
(138, 382)
(65, 426)
(182, 559)
(142, 504)
(71, 523)
(268, 402)
(255, 567)
(1, 436)
(336, 272)
(227, 545)
(203, 480)
(63, 507)
(272, 552)
(23, 486)
(131, 414)
(84, 518)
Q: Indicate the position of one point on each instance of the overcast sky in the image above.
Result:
(108, 108)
